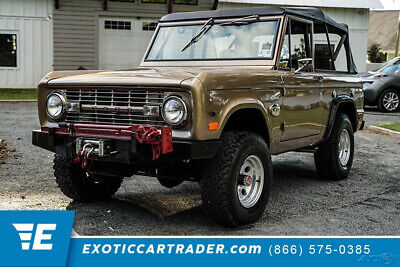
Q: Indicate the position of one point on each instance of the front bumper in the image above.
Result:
(128, 150)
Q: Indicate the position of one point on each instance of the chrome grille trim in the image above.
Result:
(113, 106)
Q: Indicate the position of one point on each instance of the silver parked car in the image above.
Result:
(382, 87)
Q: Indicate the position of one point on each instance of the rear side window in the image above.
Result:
(392, 69)
(330, 52)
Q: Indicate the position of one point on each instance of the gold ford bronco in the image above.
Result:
(217, 93)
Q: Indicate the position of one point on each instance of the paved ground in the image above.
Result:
(368, 203)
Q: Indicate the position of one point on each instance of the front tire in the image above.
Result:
(78, 185)
(236, 183)
(334, 158)
(389, 101)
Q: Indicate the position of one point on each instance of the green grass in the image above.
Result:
(17, 94)
(392, 126)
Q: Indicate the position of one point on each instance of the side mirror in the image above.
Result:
(304, 64)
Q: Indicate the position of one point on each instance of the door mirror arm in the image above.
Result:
(304, 63)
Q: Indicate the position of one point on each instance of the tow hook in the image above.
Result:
(160, 143)
(83, 155)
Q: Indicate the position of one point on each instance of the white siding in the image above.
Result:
(76, 28)
(28, 20)
(356, 19)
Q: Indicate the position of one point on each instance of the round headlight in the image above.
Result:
(55, 105)
(174, 110)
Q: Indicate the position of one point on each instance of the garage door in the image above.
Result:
(123, 41)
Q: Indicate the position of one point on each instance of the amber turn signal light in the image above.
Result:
(213, 126)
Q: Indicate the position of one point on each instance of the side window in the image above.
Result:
(322, 57)
(330, 54)
(341, 58)
(392, 69)
(297, 44)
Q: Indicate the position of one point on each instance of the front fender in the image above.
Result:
(220, 105)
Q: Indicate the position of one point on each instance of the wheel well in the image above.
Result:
(350, 110)
(394, 88)
(248, 119)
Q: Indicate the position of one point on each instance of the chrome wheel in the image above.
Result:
(251, 181)
(391, 101)
(344, 147)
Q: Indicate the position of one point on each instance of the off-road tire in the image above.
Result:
(219, 179)
(76, 184)
(326, 157)
(381, 106)
(168, 182)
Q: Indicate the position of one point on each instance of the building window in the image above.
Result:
(185, 2)
(8, 50)
(122, 1)
(149, 26)
(155, 1)
(323, 56)
(117, 25)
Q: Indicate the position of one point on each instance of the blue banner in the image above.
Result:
(235, 251)
(35, 238)
(43, 238)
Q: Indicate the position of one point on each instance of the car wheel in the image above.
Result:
(334, 158)
(236, 183)
(389, 101)
(81, 186)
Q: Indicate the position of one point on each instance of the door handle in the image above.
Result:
(318, 78)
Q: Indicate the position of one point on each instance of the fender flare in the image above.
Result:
(336, 102)
(248, 105)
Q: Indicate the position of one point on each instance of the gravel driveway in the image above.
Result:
(367, 203)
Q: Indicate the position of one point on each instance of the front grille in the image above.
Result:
(116, 107)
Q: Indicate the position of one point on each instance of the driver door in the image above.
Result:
(302, 96)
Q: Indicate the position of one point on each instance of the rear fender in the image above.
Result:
(341, 103)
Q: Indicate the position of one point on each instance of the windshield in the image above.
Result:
(219, 42)
(391, 67)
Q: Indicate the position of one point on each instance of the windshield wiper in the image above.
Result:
(203, 30)
(242, 21)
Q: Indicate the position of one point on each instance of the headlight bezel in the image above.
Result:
(185, 116)
(63, 106)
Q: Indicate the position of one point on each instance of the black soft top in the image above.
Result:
(322, 22)
(308, 13)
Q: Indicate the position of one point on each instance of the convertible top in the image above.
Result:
(322, 22)
(314, 14)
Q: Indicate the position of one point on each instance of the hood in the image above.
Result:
(210, 77)
(140, 76)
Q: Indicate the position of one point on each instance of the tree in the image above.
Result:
(300, 52)
(375, 55)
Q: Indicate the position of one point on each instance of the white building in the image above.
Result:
(37, 36)
(26, 42)
(354, 13)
